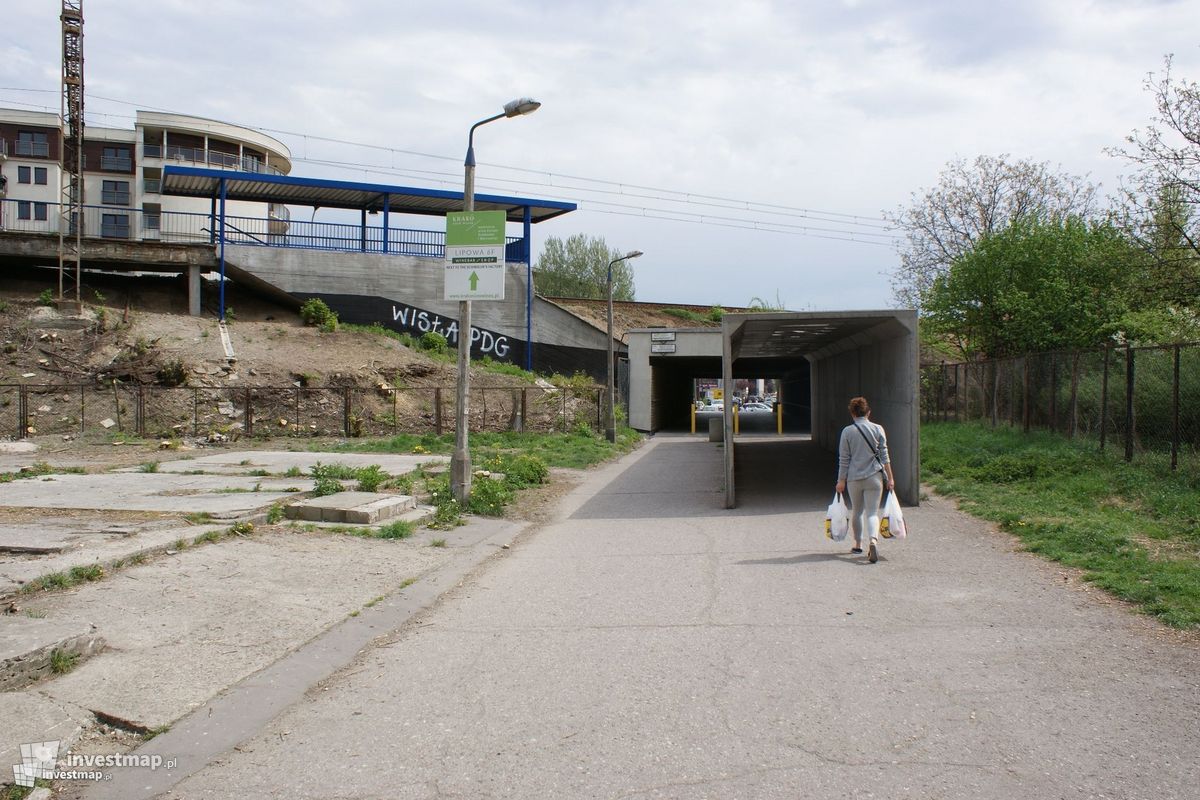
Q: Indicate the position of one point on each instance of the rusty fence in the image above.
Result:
(264, 411)
(1142, 400)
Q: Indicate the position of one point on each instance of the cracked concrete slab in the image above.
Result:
(219, 495)
(239, 462)
(30, 717)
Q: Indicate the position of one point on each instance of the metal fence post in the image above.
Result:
(346, 411)
(22, 411)
(395, 411)
(524, 407)
(1129, 402)
(1025, 394)
(1175, 413)
(139, 411)
(297, 388)
(249, 412)
(437, 410)
(1104, 398)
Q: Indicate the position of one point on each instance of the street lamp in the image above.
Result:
(611, 425)
(460, 461)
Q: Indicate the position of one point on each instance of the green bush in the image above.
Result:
(489, 497)
(316, 312)
(434, 342)
(371, 478)
(46, 298)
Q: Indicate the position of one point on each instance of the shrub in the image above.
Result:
(434, 342)
(316, 312)
(46, 298)
(371, 478)
(173, 373)
(489, 497)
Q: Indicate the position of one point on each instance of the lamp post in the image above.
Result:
(460, 461)
(610, 429)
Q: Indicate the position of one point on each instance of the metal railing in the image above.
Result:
(33, 149)
(212, 158)
(105, 411)
(178, 226)
(1143, 399)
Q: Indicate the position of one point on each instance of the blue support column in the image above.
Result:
(222, 235)
(387, 208)
(212, 222)
(528, 294)
(362, 237)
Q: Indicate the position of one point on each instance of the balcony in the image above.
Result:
(115, 197)
(116, 163)
(198, 156)
(33, 149)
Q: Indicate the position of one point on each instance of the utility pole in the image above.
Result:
(70, 223)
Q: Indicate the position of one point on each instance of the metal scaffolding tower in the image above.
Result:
(70, 224)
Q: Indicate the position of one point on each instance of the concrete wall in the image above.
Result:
(405, 293)
(688, 343)
(881, 365)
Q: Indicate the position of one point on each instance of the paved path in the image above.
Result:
(650, 644)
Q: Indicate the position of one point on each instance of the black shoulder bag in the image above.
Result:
(870, 444)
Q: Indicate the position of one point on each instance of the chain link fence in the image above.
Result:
(265, 412)
(1142, 400)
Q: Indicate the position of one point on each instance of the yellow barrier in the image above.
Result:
(735, 420)
(693, 417)
(779, 419)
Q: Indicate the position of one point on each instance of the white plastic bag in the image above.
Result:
(837, 519)
(892, 522)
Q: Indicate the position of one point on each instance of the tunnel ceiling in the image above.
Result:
(764, 337)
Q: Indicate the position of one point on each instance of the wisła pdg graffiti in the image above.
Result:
(418, 321)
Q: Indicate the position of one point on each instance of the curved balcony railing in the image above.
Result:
(209, 158)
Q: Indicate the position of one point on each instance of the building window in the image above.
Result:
(151, 221)
(39, 176)
(33, 143)
(114, 226)
(116, 158)
(24, 174)
(39, 211)
(115, 193)
(23, 209)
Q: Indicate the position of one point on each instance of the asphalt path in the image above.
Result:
(650, 644)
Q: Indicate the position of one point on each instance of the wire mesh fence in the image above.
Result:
(1141, 400)
(267, 411)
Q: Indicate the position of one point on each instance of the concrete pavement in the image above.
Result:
(648, 643)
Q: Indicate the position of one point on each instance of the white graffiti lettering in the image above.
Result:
(485, 342)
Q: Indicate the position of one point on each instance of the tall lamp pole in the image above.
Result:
(610, 428)
(460, 461)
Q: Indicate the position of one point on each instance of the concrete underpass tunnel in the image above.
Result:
(847, 353)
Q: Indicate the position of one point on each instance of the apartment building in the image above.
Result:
(122, 173)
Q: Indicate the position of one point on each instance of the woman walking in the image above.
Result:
(864, 468)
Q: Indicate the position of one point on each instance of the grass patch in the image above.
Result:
(156, 731)
(198, 517)
(407, 582)
(438, 543)
(1132, 529)
(148, 466)
(62, 662)
(293, 472)
(400, 529)
(577, 449)
(210, 536)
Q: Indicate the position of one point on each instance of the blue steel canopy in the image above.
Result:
(323, 193)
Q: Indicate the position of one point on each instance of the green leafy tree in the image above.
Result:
(578, 267)
(971, 201)
(1033, 286)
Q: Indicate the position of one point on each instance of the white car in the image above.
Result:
(755, 408)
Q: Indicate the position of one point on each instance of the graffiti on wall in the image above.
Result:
(419, 321)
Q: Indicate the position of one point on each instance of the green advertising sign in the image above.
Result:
(474, 228)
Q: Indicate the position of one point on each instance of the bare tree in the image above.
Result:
(1160, 198)
(972, 200)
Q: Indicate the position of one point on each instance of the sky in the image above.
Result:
(749, 149)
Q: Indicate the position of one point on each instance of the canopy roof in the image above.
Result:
(323, 193)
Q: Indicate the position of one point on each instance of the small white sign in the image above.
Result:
(663, 336)
(667, 347)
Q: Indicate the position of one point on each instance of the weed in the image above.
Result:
(438, 543)
(354, 613)
(198, 517)
(92, 572)
(241, 528)
(326, 486)
(489, 497)
(137, 558)
(159, 730)
(148, 466)
(180, 544)
(210, 536)
(374, 601)
(294, 472)
(259, 473)
(35, 613)
(62, 662)
(400, 529)
(275, 514)
(370, 478)
(407, 582)
(45, 298)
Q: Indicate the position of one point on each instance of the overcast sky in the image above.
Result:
(675, 126)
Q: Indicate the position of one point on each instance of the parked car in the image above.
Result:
(756, 408)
